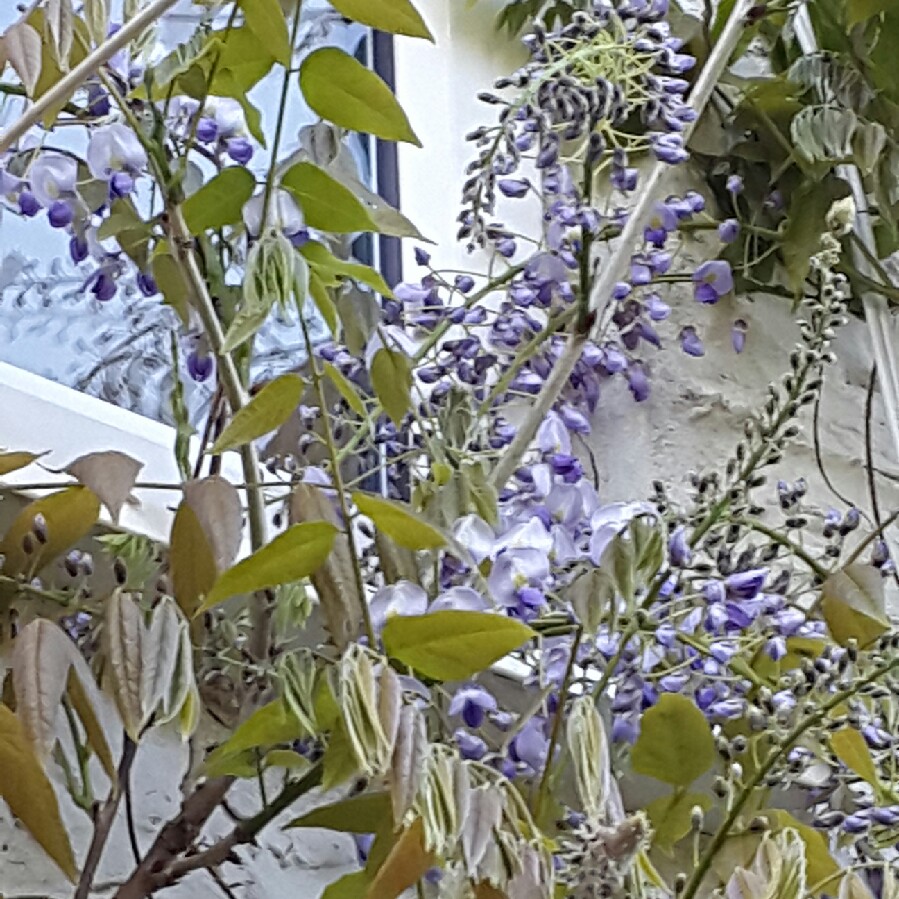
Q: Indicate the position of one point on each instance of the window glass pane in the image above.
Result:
(121, 349)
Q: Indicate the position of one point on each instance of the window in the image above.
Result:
(120, 349)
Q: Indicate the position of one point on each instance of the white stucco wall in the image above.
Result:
(692, 419)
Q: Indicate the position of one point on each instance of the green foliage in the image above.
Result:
(326, 203)
(219, 202)
(671, 817)
(675, 743)
(291, 556)
(344, 92)
(849, 746)
(853, 604)
(391, 377)
(394, 16)
(452, 645)
(268, 410)
(359, 814)
(266, 21)
(399, 522)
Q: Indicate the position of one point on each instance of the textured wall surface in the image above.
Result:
(692, 419)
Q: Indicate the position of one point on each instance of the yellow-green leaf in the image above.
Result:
(29, 794)
(675, 743)
(359, 814)
(853, 604)
(291, 556)
(219, 202)
(171, 283)
(191, 559)
(452, 645)
(339, 763)
(268, 410)
(391, 377)
(399, 522)
(326, 203)
(266, 20)
(10, 462)
(331, 269)
(671, 817)
(849, 746)
(393, 16)
(345, 389)
(323, 302)
(69, 516)
(345, 92)
(268, 726)
(404, 866)
(350, 886)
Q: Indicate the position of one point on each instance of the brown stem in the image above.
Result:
(104, 820)
(175, 838)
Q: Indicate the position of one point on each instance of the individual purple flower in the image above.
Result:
(662, 222)
(464, 283)
(776, 648)
(53, 177)
(104, 286)
(531, 745)
(637, 381)
(746, 584)
(199, 366)
(147, 285)
(738, 335)
(471, 746)
(473, 703)
(626, 728)
(728, 230)
(364, 842)
(734, 184)
(78, 249)
(60, 214)
(401, 598)
(712, 280)
(114, 149)
(239, 149)
(690, 342)
(670, 148)
(515, 188)
(28, 204)
(623, 179)
(656, 308)
(422, 257)
(207, 130)
(679, 552)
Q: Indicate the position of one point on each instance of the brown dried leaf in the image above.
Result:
(335, 580)
(404, 866)
(111, 475)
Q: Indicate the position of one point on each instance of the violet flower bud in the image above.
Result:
(679, 552)
(738, 335)
(60, 214)
(728, 231)
(28, 204)
(690, 342)
(239, 149)
(104, 287)
(78, 249)
(199, 367)
(734, 184)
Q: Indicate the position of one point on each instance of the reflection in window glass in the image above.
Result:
(120, 348)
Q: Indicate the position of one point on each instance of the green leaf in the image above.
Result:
(345, 92)
(29, 794)
(862, 10)
(853, 604)
(350, 886)
(10, 462)
(849, 746)
(219, 202)
(192, 563)
(266, 20)
(268, 726)
(671, 817)
(399, 522)
(321, 296)
(69, 515)
(453, 645)
(326, 203)
(268, 410)
(171, 283)
(675, 743)
(291, 556)
(339, 763)
(391, 377)
(330, 269)
(345, 389)
(361, 814)
(394, 16)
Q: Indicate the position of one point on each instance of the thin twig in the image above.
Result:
(105, 819)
